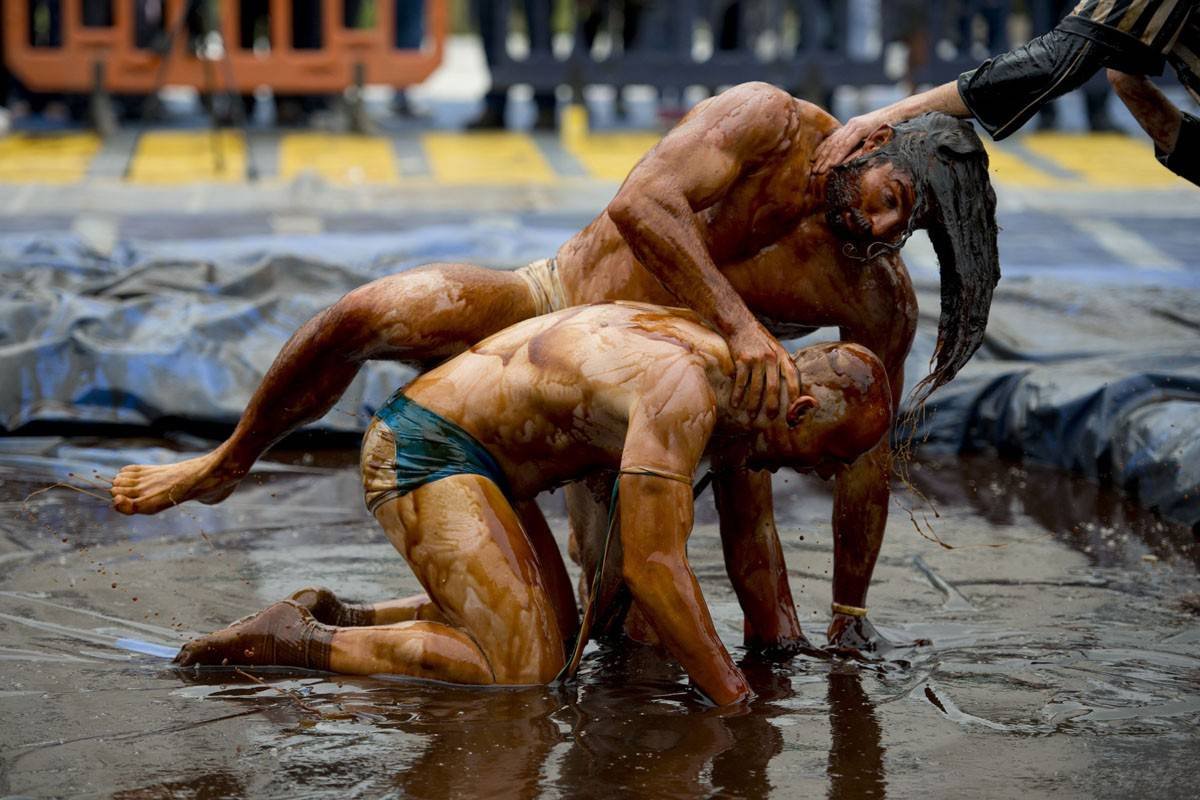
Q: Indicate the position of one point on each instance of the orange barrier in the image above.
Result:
(110, 52)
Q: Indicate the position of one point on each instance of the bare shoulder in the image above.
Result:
(815, 118)
(757, 97)
(673, 412)
(682, 328)
(751, 114)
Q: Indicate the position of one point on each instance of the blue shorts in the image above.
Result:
(408, 446)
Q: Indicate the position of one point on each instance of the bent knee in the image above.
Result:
(533, 661)
(426, 650)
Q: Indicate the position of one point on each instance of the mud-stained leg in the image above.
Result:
(467, 547)
(755, 564)
(327, 607)
(552, 568)
(588, 508)
(422, 315)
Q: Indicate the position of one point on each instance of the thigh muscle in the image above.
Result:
(467, 547)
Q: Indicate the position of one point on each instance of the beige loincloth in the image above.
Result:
(545, 286)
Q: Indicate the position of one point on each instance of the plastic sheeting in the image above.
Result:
(1104, 380)
(182, 333)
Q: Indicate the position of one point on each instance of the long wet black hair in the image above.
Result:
(955, 203)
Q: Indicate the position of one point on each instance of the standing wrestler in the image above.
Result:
(640, 390)
(722, 216)
(1133, 38)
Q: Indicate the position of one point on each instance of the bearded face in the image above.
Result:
(869, 201)
(843, 203)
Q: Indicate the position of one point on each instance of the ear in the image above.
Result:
(882, 135)
(799, 407)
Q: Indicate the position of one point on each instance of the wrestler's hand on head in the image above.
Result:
(844, 141)
(765, 375)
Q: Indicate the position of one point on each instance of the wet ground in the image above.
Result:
(1065, 654)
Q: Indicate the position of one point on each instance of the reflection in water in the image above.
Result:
(215, 784)
(1097, 520)
(856, 750)
(629, 728)
(496, 747)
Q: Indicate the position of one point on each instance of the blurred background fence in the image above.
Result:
(82, 53)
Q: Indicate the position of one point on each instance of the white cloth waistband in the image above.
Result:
(545, 286)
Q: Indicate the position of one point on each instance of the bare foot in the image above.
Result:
(148, 489)
(283, 635)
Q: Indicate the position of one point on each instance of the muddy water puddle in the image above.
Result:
(1065, 655)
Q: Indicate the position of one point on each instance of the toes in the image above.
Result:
(186, 655)
(202, 651)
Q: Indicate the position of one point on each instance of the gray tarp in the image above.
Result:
(1104, 380)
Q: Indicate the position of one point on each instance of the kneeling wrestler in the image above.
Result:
(447, 462)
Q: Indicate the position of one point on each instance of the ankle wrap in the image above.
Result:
(354, 615)
(300, 641)
(316, 643)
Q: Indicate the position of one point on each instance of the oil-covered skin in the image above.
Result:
(638, 389)
(722, 216)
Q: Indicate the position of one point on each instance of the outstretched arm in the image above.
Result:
(1002, 93)
(656, 519)
(669, 426)
(1167, 125)
(655, 211)
(846, 139)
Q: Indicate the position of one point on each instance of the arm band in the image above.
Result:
(657, 473)
(850, 611)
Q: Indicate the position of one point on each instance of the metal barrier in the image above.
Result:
(746, 44)
(111, 50)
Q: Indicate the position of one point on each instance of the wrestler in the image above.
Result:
(721, 216)
(638, 389)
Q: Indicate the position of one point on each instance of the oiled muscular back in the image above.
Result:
(774, 137)
(551, 395)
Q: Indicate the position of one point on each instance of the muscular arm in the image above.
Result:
(1175, 133)
(754, 561)
(656, 518)
(668, 430)
(688, 171)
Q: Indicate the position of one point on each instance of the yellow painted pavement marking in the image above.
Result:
(610, 156)
(56, 158)
(189, 156)
(478, 158)
(339, 158)
(605, 156)
(1103, 159)
(1011, 170)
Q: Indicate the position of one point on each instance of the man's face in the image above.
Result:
(869, 202)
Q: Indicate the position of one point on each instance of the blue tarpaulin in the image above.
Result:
(1100, 379)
